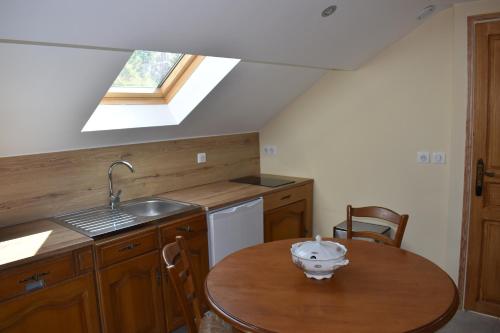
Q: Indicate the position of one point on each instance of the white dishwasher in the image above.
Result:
(234, 227)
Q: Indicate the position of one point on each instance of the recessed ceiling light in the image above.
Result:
(426, 12)
(328, 11)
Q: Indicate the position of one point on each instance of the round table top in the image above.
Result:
(383, 289)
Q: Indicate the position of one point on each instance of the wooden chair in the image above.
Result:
(378, 213)
(176, 257)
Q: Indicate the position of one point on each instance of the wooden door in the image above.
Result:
(131, 296)
(67, 307)
(285, 222)
(195, 232)
(483, 266)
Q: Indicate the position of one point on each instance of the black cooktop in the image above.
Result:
(263, 181)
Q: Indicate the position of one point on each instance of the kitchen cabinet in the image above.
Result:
(130, 286)
(131, 295)
(288, 213)
(285, 222)
(50, 295)
(194, 230)
(68, 307)
(134, 290)
(119, 283)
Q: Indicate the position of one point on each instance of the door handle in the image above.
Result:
(480, 173)
(479, 177)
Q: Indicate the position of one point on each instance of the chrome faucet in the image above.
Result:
(114, 199)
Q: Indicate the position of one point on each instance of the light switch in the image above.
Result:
(423, 157)
(201, 158)
(438, 157)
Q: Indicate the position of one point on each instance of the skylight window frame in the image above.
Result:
(172, 83)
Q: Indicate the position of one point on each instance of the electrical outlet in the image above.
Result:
(423, 157)
(201, 158)
(270, 150)
(438, 157)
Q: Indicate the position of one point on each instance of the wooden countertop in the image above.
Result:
(38, 239)
(224, 193)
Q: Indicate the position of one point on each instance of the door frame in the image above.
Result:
(469, 164)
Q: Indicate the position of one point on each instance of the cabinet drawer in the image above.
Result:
(115, 250)
(188, 228)
(69, 307)
(36, 275)
(285, 197)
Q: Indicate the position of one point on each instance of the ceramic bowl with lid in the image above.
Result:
(318, 258)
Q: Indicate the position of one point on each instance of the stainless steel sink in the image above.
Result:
(152, 207)
(99, 221)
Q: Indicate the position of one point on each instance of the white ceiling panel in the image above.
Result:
(275, 31)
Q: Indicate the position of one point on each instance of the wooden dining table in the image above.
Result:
(383, 289)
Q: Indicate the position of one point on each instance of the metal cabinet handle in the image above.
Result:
(129, 246)
(186, 228)
(34, 277)
(158, 276)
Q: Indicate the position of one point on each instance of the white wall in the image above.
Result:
(357, 134)
(48, 93)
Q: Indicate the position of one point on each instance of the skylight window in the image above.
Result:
(151, 77)
(184, 86)
(145, 70)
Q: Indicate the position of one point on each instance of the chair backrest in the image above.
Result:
(379, 213)
(176, 257)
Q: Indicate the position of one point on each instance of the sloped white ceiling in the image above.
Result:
(277, 31)
(58, 58)
(47, 94)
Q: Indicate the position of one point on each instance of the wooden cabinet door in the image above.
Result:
(67, 307)
(131, 296)
(198, 251)
(173, 313)
(198, 248)
(285, 222)
(195, 232)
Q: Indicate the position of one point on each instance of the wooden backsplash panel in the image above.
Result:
(42, 185)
